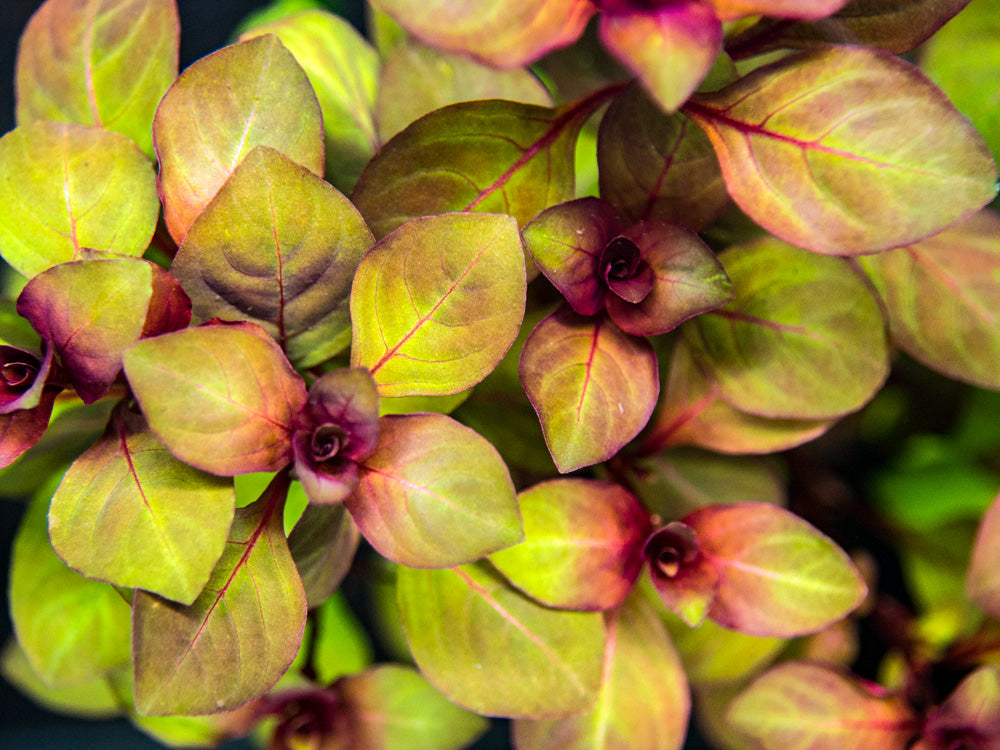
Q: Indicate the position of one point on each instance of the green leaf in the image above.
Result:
(582, 545)
(279, 247)
(238, 638)
(323, 544)
(491, 156)
(245, 95)
(395, 708)
(340, 645)
(942, 296)
(417, 79)
(774, 352)
(98, 62)
(982, 583)
(72, 630)
(197, 384)
(804, 706)
(129, 513)
(655, 165)
(476, 639)
(65, 189)
(501, 33)
(343, 69)
(462, 279)
(434, 494)
(643, 702)
(804, 143)
(593, 386)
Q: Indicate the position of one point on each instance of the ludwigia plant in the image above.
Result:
(534, 335)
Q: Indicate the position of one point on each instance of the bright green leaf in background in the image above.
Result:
(340, 644)
(98, 62)
(67, 188)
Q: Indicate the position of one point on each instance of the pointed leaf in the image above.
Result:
(434, 494)
(67, 188)
(323, 544)
(98, 62)
(72, 630)
(804, 706)
(455, 620)
(502, 33)
(776, 353)
(395, 708)
(129, 513)
(92, 310)
(245, 95)
(778, 576)
(582, 545)
(234, 642)
(492, 156)
(982, 582)
(943, 299)
(417, 79)
(804, 142)
(592, 386)
(643, 703)
(436, 304)
(277, 246)
(670, 49)
(232, 380)
(655, 165)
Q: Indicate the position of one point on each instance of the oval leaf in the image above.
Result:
(475, 638)
(129, 513)
(582, 545)
(462, 277)
(68, 188)
(434, 494)
(98, 62)
(231, 381)
(804, 144)
(245, 95)
(774, 352)
(234, 642)
(592, 386)
(279, 247)
(323, 544)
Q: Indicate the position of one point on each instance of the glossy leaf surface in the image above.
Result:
(454, 620)
(245, 95)
(98, 62)
(487, 156)
(643, 702)
(238, 637)
(462, 279)
(434, 494)
(197, 384)
(982, 582)
(129, 513)
(592, 386)
(801, 156)
(502, 33)
(343, 70)
(943, 299)
(805, 706)
(774, 352)
(277, 246)
(67, 188)
(582, 545)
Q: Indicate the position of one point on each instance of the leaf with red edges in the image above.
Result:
(238, 637)
(806, 142)
(21, 429)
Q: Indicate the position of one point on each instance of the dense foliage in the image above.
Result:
(545, 374)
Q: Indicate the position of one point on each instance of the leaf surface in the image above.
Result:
(434, 494)
(23, 428)
(730, 9)
(804, 142)
(592, 386)
(982, 582)
(456, 619)
(98, 62)
(67, 188)
(436, 304)
(277, 246)
(238, 637)
(245, 95)
(323, 544)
